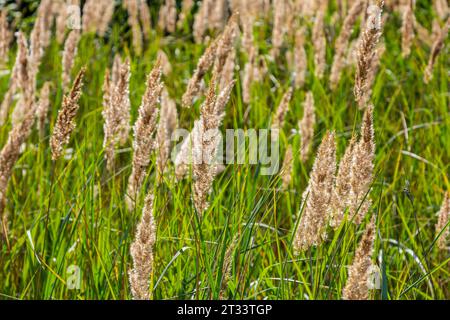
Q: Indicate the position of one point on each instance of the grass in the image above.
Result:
(72, 211)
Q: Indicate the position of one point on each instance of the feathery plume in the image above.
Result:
(340, 199)
(168, 122)
(132, 7)
(116, 112)
(227, 73)
(282, 110)
(24, 76)
(42, 107)
(441, 8)
(168, 16)
(319, 43)
(144, 129)
(279, 20)
(5, 35)
(10, 154)
(146, 18)
(438, 45)
(286, 169)
(97, 15)
(227, 266)
(366, 53)
(361, 172)
(200, 25)
(311, 230)
(141, 251)
(225, 44)
(306, 126)
(205, 62)
(219, 14)
(186, 8)
(165, 63)
(343, 40)
(356, 287)
(69, 54)
(65, 123)
(407, 29)
(443, 218)
(300, 58)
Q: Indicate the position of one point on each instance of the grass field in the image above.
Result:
(68, 217)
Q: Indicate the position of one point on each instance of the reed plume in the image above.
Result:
(438, 45)
(356, 287)
(165, 63)
(442, 223)
(227, 266)
(144, 129)
(225, 44)
(205, 62)
(219, 14)
(407, 29)
(286, 168)
(206, 138)
(6, 36)
(311, 230)
(168, 16)
(306, 126)
(69, 54)
(441, 8)
(361, 171)
(141, 251)
(146, 19)
(116, 112)
(343, 40)
(282, 110)
(227, 74)
(65, 123)
(300, 58)
(43, 107)
(9, 156)
(319, 44)
(340, 200)
(201, 20)
(97, 15)
(279, 19)
(366, 53)
(186, 8)
(132, 7)
(168, 122)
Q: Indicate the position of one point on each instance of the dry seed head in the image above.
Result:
(65, 122)
(144, 129)
(366, 52)
(132, 7)
(227, 266)
(205, 62)
(342, 41)
(442, 224)
(300, 58)
(362, 169)
(186, 8)
(306, 126)
(311, 230)
(407, 29)
(43, 107)
(356, 287)
(146, 19)
(319, 43)
(225, 44)
(286, 169)
(282, 110)
(6, 35)
(69, 54)
(438, 45)
(168, 16)
(340, 199)
(141, 251)
(168, 122)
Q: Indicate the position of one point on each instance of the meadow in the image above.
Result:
(72, 229)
